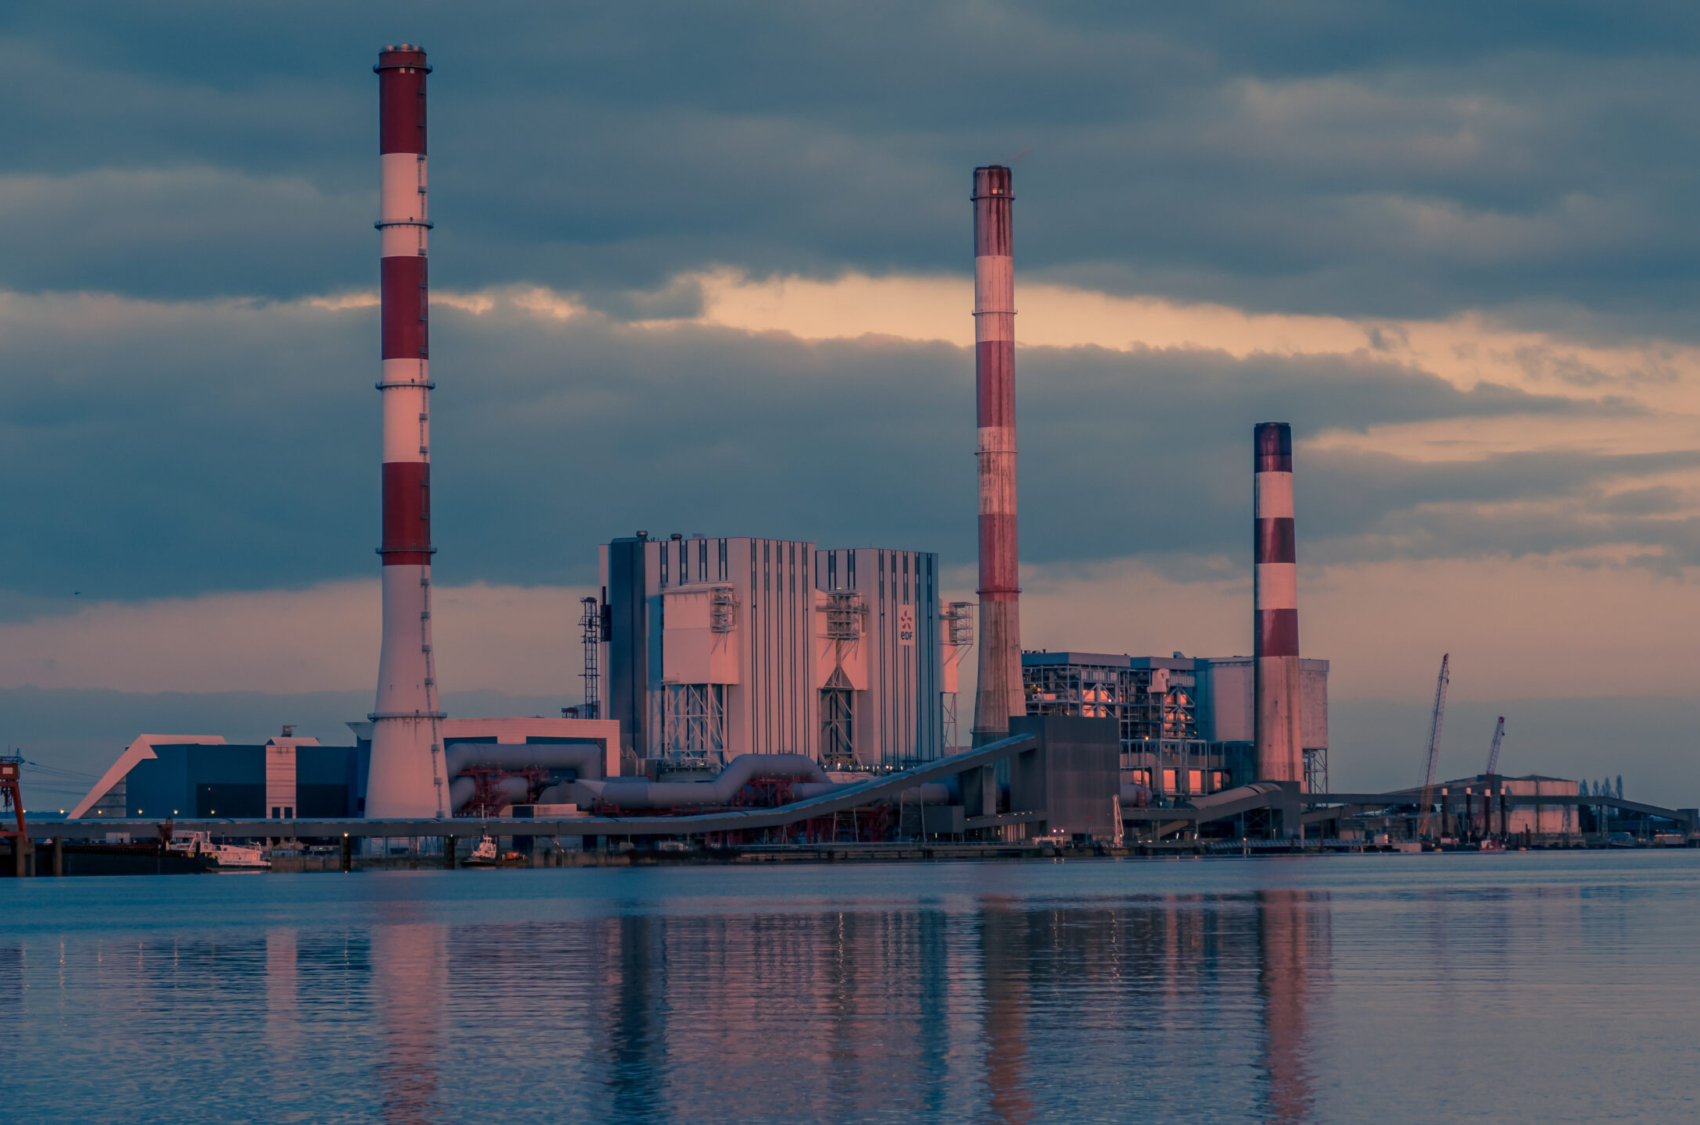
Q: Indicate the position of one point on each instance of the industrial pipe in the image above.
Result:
(584, 758)
(1278, 740)
(1135, 796)
(641, 793)
(998, 694)
(406, 776)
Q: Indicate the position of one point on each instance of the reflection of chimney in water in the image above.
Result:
(1004, 961)
(409, 976)
(1293, 943)
(283, 1017)
(636, 1031)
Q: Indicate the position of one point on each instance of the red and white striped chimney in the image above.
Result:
(1280, 749)
(999, 695)
(405, 777)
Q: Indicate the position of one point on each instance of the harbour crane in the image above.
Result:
(1493, 751)
(1434, 742)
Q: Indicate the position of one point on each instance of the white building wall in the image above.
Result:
(776, 704)
(1542, 819)
(1228, 700)
(775, 659)
(764, 664)
(897, 718)
(280, 775)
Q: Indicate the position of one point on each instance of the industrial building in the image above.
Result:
(715, 647)
(282, 778)
(1187, 723)
(494, 765)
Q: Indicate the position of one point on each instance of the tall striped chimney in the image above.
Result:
(999, 695)
(1280, 753)
(405, 777)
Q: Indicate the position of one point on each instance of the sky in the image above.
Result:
(707, 268)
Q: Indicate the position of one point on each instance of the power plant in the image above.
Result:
(772, 692)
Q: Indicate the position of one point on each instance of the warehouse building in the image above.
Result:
(715, 647)
(290, 778)
(283, 778)
(1186, 722)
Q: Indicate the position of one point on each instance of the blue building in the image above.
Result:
(205, 776)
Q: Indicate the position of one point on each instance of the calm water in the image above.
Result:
(1523, 987)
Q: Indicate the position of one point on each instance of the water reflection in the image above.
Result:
(409, 983)
(997, 1008)
(1010, 949)
(1294, 955)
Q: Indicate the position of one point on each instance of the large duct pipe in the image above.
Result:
(406, 776)
(463, 789)
(1280, 753)
(1134, 795)
(583, 758)
(639, 793)
(999, 695)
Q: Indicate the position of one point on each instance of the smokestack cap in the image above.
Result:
(1272, 448)
(993, 180)
(400, 56)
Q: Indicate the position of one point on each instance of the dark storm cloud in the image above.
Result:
(1324, 156)
(175, 448)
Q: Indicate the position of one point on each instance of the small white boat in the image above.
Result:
(226, 857)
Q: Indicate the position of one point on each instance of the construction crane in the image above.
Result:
(1493, 751)
(1434, 743)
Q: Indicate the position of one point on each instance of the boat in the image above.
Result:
(224, 857)
(484, 855)
(1493, 845)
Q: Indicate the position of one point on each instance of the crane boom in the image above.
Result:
(1493, 751)
(1434, 741)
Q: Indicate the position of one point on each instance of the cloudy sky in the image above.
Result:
(707, 268)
